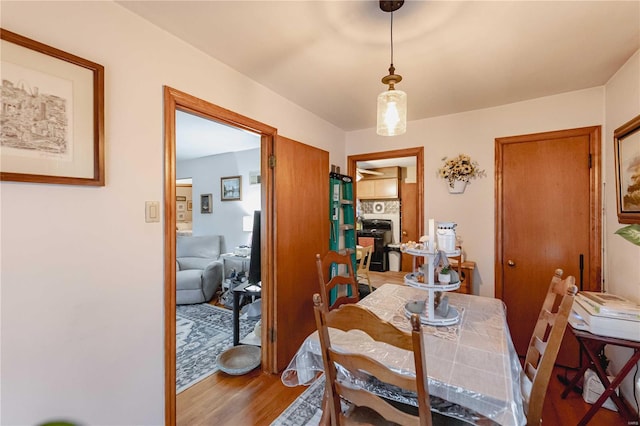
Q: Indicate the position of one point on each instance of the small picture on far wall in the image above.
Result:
(254, 177)
(205, 203)
(189, 205)
(230, 188)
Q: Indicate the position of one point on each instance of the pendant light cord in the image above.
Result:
(391, 38)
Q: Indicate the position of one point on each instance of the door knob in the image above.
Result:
(511, 263)
(404, 233)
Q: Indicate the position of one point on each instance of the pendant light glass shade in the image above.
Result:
(392, 113)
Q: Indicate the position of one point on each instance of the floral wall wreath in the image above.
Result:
(460, 168)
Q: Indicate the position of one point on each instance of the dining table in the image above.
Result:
(472, 366)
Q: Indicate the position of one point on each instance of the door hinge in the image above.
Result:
(590, 161)
(272, 161)
(272, 335)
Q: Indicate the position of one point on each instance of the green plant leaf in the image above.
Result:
(630, 233)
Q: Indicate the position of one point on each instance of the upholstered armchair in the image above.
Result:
(199, 268)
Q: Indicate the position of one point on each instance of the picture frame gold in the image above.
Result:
(52, 116)
(626, 139)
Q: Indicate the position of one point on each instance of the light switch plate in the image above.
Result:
(152, 211)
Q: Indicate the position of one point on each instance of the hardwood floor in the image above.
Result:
(258, 399)
(253, 399)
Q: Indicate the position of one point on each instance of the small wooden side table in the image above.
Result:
(593, 345)
(466, 271)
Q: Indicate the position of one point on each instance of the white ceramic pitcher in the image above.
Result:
(446, 235)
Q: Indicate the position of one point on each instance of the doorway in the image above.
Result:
(174, 102)
(409, 197)
(548, 200)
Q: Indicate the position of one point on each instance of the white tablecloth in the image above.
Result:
(472, 364)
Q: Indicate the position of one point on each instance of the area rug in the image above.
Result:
(306, 410)
(203, 332)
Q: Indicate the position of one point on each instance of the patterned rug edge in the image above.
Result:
(196, 381)
(304, 410)
(246, 326)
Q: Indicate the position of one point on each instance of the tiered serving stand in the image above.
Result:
(431, 316)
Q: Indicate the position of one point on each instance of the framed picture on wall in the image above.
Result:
(254, 177)
(52, 115)
(206, 203)
(181, 206)
(181, 198)
(627, 158)
(231, 188)
(189, 205)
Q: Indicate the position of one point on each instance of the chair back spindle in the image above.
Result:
(545, 344)
(343, 284)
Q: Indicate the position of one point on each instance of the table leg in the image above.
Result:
(609, 387)
(236, 318)
(598, 347)
(579, 375)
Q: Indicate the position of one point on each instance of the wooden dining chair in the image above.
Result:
(350, 317)
(363, 254)
(341, 287)
(458, 260)
(545, 344)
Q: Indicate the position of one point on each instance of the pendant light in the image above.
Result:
(392, 103)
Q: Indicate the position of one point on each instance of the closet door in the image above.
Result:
(548, 217)
(301, 229)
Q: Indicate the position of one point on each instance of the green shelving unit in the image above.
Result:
(342, 215)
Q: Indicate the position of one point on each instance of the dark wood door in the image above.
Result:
(301, 229)
(548, 198)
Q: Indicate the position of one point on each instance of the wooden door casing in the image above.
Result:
(408, 220)
(177, 100)
(414, 207)
(547, 215)
(301, 230)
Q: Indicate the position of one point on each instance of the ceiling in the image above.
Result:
(199, 137)
(454, 56)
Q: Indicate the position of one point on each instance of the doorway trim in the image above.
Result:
(177, 100)
(417, 152)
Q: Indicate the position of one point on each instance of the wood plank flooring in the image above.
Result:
(258, 399)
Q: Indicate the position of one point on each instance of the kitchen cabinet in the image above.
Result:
(381, 183)
(386, 188)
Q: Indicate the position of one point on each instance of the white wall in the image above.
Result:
(622, 269)
(474, 133)
(226, 218)
(82, 273)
